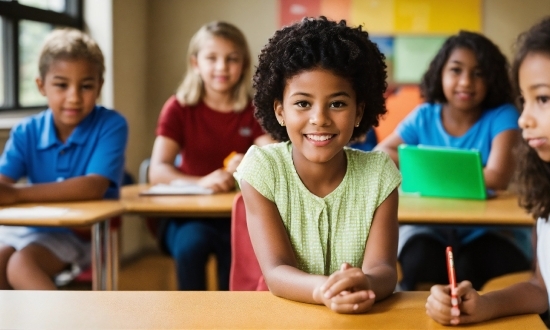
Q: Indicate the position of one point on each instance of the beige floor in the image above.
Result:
(155, 271)
(151, 271)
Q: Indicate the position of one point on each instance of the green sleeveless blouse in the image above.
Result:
(324, 232)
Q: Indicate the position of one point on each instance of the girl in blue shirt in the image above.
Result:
(468, 105)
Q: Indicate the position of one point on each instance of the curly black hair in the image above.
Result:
(532, 173)
(492, 63)
(320, 43)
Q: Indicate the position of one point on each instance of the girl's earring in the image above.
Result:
(357, 125)
(282, 122)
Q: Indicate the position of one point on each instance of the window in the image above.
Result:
(23, 26)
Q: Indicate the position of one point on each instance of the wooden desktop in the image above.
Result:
(215, 205)
(95, 213)
(502, 210)
(214, 310)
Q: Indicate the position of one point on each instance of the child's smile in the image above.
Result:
(463, 83)
(320, 139)
(319, 110)
(220, 64)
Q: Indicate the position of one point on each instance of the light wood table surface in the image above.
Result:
(95, 213)
(502, 210)
(214, 310)
(215, 205)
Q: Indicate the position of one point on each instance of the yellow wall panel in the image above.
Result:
(437, 16)
(376, 15)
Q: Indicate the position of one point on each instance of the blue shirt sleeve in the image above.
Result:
(408, 128)
(107, 159)
(504, 118)
(12, 161)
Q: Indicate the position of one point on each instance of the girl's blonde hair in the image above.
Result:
(191, 90)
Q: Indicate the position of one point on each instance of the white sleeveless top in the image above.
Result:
(543, 250)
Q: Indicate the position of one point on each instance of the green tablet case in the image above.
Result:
(441, 172)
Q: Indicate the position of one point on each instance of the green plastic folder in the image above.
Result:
(441, 172)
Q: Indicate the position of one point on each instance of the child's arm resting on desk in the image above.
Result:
(74, 189)
(163, 170)
(500, 165)
(378, 276)
(273, 250)
(348, 290)
(522, 298)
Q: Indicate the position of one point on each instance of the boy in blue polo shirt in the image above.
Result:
(72, 151)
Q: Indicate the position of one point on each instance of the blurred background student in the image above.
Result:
(469, 106)
(531, 72)
(72, 151)
(210, 117)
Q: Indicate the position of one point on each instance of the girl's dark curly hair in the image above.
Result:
(532, 173)
(492, 63)
(320, 43)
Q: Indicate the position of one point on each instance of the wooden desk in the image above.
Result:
(95, 213)
(216, 205)
(502, 210)
(214, 310)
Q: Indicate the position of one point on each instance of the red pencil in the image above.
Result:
(452, 276)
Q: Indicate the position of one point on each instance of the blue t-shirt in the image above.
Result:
(424, 125)
(96, 146)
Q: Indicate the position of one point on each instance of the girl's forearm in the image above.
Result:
(166, 173)
(521, 298)
(382, 280)
(291, 283)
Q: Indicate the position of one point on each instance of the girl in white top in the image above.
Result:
(532, 77)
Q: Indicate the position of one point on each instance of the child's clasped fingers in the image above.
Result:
(356, 302)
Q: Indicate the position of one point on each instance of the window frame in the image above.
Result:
(12, 12)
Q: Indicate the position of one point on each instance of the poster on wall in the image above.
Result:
(413, 54)
(386, 46)
(390, 16)
(408, 32)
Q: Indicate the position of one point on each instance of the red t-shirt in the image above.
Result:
(206, 136)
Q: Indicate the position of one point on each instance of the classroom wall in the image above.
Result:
(173, 23)
(503, 20)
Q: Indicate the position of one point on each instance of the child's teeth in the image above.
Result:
(319, 137)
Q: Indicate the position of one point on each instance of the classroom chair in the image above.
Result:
(245, 273)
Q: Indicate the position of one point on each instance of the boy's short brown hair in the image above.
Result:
(69, 44)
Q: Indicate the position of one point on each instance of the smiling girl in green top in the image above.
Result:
(311, 202)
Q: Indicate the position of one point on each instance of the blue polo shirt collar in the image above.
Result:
(79, 136)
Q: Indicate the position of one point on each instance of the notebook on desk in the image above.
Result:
(442, 172)
(176, 189)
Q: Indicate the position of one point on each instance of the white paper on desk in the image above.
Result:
(32, 212)
(177, 189)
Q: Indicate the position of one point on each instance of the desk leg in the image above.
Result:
(97, 280)
(102, 257)
(115, 259)
(107, 256)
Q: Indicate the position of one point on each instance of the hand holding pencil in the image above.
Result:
(454, 303)
(452, 276)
